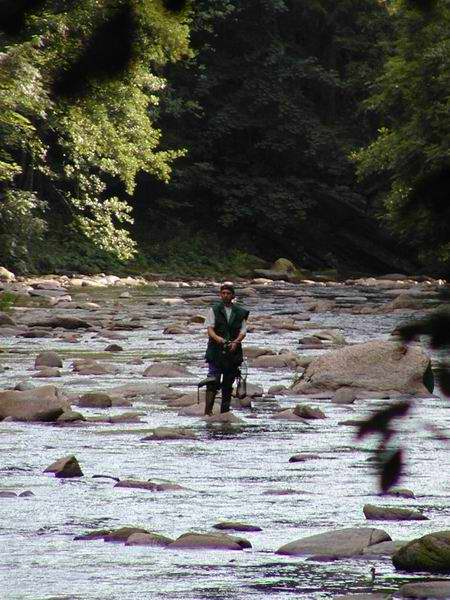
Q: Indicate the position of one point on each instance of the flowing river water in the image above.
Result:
(230, 472)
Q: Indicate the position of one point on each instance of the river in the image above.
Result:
(228, 471)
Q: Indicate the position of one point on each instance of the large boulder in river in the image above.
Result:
(426, 589)
(428, 553)
(339, 543)
(38, 404)
(376, 366)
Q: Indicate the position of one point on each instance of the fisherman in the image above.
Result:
(226, 326)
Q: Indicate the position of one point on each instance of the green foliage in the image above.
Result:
(21, 226)
(72, 154)
(408, 164)
(199, 254)
(267, 109)
(7, 301)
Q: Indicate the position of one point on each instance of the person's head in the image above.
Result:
(227, 293)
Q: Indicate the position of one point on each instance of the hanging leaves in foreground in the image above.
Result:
(108, 54)
(381, 420)
(14, 12)
(391, 470)
(175, 6)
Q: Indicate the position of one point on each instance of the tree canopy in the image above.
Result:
(247, 122)
(74, 132)
(408, 163)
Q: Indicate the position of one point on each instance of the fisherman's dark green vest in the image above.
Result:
(228, 330)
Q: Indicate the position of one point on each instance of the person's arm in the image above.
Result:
(240, 337)
(210, 322)
(213, 335)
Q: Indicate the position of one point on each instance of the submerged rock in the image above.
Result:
(365, 596)
(429, 553)
(151, 486)
(170, 433)
(210, 541)
(236, 526)
(341, 542)
(165, 369)
(392, 513)
(308, 412)
(303, 456)
(400, 491)
(148, 539)
(93, 535)
(122, 535)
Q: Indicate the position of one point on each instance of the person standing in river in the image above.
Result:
(226, 327)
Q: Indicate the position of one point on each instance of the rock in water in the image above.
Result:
(426, 589)
(148, 539)
(377, 366)
(149, 485)
(38, 404)
(6, 320)
(48, 359)
(210, 541)
(65, 467)
(341, 542)
(95, 400)
(428, 553)
(308, 412)
(392, 513)
(166, 369)
(123, 534)
(63, 322)
(236, 526)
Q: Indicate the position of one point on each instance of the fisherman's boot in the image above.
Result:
(227, 388)
(226, 399)
(210, 396)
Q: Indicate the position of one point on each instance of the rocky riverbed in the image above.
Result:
(105, 369)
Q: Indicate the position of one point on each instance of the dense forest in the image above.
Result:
(219, 135)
